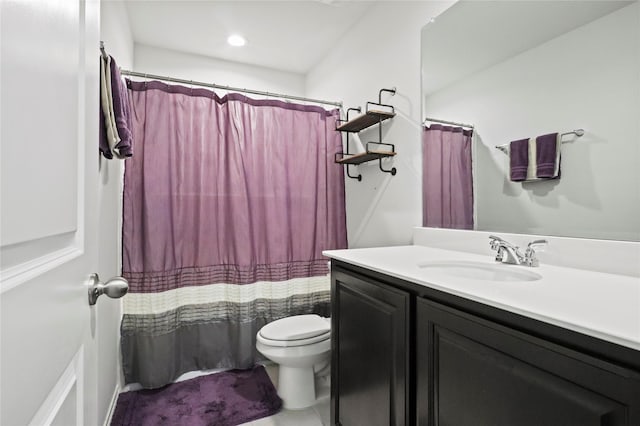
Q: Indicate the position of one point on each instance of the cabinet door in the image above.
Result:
(475, 372)
(370, 350)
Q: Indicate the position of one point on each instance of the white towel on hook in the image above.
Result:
(106, 99)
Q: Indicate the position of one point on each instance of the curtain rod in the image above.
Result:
(437, 120)
(235, 89)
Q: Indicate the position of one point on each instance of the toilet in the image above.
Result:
(297, 344)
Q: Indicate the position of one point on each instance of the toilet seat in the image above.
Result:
(290, 343)
(299, 330)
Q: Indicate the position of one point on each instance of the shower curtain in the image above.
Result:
(228, 204)
(447, 187)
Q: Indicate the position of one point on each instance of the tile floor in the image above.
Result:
(317, 415)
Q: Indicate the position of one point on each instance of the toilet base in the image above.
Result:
(296, 387)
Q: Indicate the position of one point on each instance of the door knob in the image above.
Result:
(114, 288)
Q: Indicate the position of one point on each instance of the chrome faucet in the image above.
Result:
(508, 253)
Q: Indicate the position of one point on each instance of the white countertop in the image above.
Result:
(602, 305)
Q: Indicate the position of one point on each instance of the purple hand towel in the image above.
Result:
(121, 110)
(519, 159)
(547, 155)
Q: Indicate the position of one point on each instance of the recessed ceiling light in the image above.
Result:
(236, 40)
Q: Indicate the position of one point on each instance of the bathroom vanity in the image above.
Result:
(426, 336)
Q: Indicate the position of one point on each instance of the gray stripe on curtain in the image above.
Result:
(194, 345)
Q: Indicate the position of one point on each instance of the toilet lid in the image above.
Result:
(299, 327)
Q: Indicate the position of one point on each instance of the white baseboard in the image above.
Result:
(112, 405)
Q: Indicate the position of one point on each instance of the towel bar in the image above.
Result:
(578, 132)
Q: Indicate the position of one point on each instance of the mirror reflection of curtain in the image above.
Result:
(447, 187)
(228, 205)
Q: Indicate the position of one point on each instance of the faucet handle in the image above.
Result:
(537, 245)
(530, 254)
(494, 242)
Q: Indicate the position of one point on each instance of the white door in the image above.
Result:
(49, 179)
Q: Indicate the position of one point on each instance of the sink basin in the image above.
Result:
(481, 271)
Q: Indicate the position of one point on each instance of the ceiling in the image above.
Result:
(285, 35)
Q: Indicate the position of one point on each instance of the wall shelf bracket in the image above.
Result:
(346, 154)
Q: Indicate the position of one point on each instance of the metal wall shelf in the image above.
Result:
(369, 118)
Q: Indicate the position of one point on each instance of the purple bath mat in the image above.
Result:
(221, 399)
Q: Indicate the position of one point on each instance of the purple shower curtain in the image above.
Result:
(447, 188)
(228, 204)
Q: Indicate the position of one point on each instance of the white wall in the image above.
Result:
(382, 50)
(165, 62)
(587, 78)
(116, 34)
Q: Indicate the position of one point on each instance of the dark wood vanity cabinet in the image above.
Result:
(370, 353)
(473, 372)
(404, 354)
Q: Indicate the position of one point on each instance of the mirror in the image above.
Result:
(521, 69)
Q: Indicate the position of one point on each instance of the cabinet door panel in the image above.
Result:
(485, 374)
(370, 353)
(475, 382)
